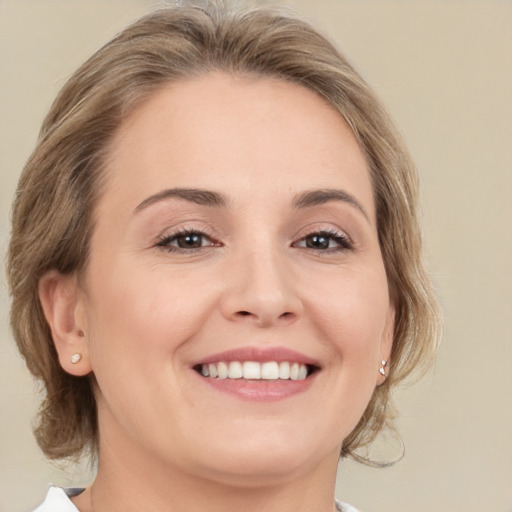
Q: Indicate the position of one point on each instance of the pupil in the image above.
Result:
(318, 242)
(189, 241)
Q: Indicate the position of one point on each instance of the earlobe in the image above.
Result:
(61, 303)
(386, 345)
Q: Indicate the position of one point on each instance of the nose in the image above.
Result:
(262, 290)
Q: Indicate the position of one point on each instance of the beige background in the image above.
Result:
(444, 68)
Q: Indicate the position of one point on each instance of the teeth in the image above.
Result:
(222, 369)
(294, 371)
(212, 370)
(252, 370)
(284, 370)
(235, 370)
(270, 371)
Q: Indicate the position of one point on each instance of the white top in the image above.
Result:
(57, 500)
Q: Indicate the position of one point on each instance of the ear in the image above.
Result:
(64, 312)
(386, 345)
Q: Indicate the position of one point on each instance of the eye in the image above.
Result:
(186, 240)
(328, 241)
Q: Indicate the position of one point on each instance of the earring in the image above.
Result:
(382, 369)
(76, 358)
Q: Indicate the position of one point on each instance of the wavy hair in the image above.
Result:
(61, 183)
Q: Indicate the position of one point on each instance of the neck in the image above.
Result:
(134, 485)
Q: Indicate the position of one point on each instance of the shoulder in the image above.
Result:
(57, 500)
(345, 507)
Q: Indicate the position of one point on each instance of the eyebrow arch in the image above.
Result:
(193, 195)
(322, 196)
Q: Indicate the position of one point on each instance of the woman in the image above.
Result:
(216, 267)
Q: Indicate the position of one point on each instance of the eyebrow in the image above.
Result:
(216, 199)
(322, 196)
(193, 195)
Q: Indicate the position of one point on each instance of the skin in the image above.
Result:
(149, 309)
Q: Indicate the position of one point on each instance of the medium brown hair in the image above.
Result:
(61, 183)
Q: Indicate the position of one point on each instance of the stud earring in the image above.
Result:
(76, 358)
(382, 369)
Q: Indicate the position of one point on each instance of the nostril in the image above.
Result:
(264, 318)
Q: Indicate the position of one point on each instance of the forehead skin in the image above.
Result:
(198, 115)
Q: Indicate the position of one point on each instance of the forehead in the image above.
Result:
(237, 133)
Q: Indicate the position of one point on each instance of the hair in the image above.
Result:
(61, 183)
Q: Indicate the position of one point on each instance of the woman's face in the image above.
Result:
(236, 234)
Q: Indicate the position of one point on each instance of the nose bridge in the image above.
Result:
(261, 288)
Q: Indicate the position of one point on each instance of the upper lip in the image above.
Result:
(259, 354)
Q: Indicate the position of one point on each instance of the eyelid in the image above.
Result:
(330, 232)
(187, 226)
(167, 236)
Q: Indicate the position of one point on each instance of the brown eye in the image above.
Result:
(187, 240)
(325, 241)
(317, 242)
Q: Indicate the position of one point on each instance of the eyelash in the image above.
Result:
(165, 241)
(342, 240)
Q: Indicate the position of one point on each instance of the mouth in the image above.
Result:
(258, 374)
(256, 370)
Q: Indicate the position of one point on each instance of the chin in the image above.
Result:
(268, 461)
(256, 473)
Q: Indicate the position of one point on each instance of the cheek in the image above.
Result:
(352, 319)
(142, 316)
(137, 327)
(352, 311)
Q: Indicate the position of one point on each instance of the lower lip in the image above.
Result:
(260, 390)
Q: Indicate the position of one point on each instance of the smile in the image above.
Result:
(253, 370)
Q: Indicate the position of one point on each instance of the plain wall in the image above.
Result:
(444, 69)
